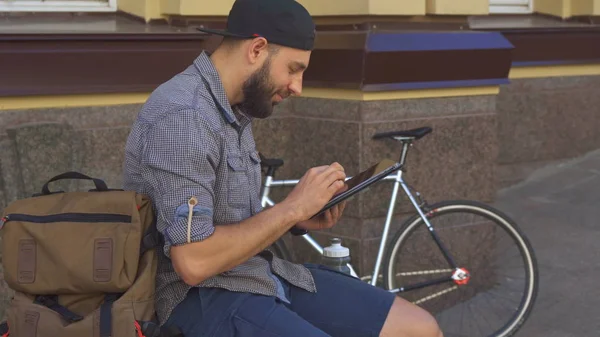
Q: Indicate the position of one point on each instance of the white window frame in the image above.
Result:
(57, 6)
(511, 6)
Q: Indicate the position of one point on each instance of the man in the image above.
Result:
(191, 150)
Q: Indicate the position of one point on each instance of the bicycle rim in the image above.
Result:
(412, 249)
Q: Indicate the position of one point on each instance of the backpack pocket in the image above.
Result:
(28, 319)
(25, 318)
(70, 251)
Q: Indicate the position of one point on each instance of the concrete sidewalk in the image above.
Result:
(558, 208)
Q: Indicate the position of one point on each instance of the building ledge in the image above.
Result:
(111, 53)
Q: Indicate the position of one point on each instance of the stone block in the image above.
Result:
(6, 293)
(43, 151)
(348, 226)
(77, 117)
(558, 83)
(331, 109)
(10, 175)
(100, 154)
(549, 119)
(398, 110)
(457, 160)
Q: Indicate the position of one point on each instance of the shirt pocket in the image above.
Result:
(256, 178)
(238, 186)
(255, 168)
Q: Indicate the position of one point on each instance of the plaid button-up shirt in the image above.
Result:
(187, 141)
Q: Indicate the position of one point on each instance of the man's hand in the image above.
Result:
(326, 220)
(313, 191)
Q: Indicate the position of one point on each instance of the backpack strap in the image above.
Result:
(51, 302)
(152, 329)
(151, 239)
(106, 315)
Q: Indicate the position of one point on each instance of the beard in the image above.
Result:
(258, 92)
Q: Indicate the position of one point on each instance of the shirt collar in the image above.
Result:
(209, 74)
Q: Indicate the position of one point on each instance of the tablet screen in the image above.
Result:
(362, 180)
(369, 173)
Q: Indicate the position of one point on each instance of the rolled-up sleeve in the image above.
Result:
(179, 160)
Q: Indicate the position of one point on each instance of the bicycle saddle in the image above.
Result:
(270, 162)
(413, 133)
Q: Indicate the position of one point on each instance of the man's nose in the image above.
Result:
(296, 86)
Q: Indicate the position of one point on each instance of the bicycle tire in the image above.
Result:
(441, 209)
(279, 249)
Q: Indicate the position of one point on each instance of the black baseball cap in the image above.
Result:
(283, 22)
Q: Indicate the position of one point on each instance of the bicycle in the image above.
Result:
(464, 283)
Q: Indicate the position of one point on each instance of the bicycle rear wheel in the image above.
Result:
(498, 265)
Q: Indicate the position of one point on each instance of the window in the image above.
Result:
(511, 6)
(58, 5)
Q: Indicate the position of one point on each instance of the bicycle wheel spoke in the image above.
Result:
(488, 322)
(507, 266)
(455, 335)
(438, 294)
(505, 299)
(462, 316)
(498, 317)
(471, 320)
(486, 293)
(425, 272)
(489, 247)
(518, 254)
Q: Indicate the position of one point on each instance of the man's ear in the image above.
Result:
(257, 49)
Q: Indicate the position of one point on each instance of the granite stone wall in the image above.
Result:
(478, 145)
(457, 160)
(545, 120)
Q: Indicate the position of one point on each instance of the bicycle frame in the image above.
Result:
(398, 181)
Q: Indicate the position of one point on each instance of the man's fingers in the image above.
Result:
(318, 169)
(323, 168)
(337, 212)
(342, 206)
(337, 165)
(333, 176)
(333, 168)
(335, 186)
(328, 216)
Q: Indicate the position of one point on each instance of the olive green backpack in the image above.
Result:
(81, 264)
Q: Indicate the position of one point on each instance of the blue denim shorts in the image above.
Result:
(342, 306)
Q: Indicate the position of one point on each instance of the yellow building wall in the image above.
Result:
(462, 7)
(196, 7)
(315, 7)
(145, 9)
(387, 7)
(335, 7)
(560, 8)
(155, 9)
(567, 8)
(585, 7)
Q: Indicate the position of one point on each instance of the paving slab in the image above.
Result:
(557, 207)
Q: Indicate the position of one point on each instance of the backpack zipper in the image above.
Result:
(69, 217)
